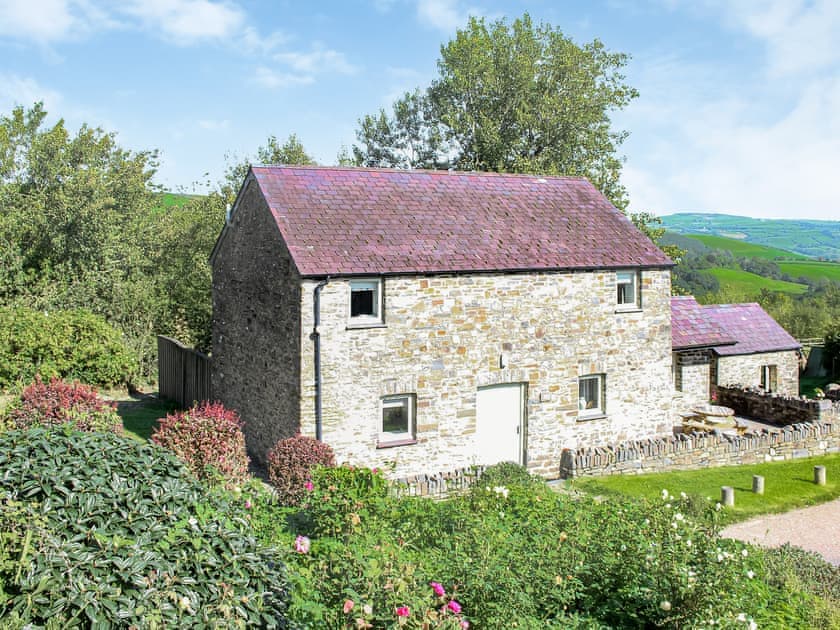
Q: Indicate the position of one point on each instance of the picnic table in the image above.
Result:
(712, 418)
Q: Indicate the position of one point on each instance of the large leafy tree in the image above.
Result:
(513, 97)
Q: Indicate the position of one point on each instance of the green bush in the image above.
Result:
(73, 345)
(290, 465)
(128, 539)
(59, 403)
(208, 438)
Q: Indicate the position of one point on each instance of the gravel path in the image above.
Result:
(814, 528)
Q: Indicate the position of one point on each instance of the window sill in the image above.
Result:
(393, 443)
(593, 416)
(628, 309)
(361, 325)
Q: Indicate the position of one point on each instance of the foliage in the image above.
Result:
(208, 438)
(290, 465)
(123, 536)
(651, 226)
(74, 344)
(60, 403)
(509, 97)
(831, 350)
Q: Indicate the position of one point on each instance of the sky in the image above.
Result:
(738, 109)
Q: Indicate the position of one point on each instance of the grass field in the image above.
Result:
(140, 416)
(788, 485)
(742, 249)
(752, 284)
(813, 270)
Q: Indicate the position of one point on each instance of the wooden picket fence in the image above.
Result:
(183, 373)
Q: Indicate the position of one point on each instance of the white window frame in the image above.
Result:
(584, 410)
(377, 317)
(770, 378)
(391, 402)
(633, 278)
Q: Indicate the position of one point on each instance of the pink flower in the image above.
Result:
(374, 470)
(309, 486)
(302, 544)
(454, 606)
(465, 624)
(247, 504)
(403, 611)
(348, 605)
(437, 587)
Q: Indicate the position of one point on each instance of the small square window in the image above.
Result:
(627, 289)
(591, 395)
(366, 301)
(397, 418)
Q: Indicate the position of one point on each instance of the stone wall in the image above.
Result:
(776, 408)
(692, 375)
(256, 326)
(701, 450)
(445, 336)
(745, 370)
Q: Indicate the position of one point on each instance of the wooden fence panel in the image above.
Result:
(183, 373)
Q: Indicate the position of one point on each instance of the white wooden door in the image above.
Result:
(500, 425)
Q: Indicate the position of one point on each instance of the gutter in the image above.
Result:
(316, 340)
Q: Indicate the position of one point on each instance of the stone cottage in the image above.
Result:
(730, 344)
(425, 321)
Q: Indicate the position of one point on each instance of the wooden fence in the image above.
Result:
(183, 373)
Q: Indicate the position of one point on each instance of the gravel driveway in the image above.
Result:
(814, 528)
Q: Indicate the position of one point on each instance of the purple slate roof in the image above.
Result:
(692, 327)
(342, 221)
(754, 329)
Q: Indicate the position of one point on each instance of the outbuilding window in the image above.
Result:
(769, 378)
(366, 301)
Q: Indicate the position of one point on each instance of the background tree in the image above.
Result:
(510, 97)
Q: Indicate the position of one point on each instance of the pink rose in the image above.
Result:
(454, 606)
(437, 587)
(403, 611)
(247, 504)
(302, 544)
(309, 486)
(465, 624)
(348, 605)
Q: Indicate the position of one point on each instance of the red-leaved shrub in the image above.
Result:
(59, 402)
(290, 465)
(209, 439)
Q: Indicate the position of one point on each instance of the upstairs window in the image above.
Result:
(591, 395)
(397, 419)
(365, 302)
(627, 289)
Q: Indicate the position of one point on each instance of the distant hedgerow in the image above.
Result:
(61, 403)
(208, 438)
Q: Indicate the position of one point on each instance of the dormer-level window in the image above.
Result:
(366, 302)
(627, 289)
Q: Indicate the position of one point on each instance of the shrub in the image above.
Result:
(208, 438)
(73, 345)
(129, 539)
(290, 465)
(59, 402)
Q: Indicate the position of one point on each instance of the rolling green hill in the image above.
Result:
(811, 269)
(750, 283)
(743, 249)
(814, 239)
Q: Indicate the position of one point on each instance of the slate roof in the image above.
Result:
(343, 221)
(692, 327)
(754, 329)
(728, 329)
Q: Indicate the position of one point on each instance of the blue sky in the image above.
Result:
(739, 107)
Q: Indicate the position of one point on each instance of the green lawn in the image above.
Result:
(814, 270)
(742, 249)
(752, 284)
(141, 416)
(788, 485)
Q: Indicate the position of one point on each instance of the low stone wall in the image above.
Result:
(777, 409)
(701, 450)
(438, 485)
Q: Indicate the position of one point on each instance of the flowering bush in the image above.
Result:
(290, 465)
(60, 403)
(208, 438)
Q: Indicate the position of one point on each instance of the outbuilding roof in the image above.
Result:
(349, 221)
(692, 326)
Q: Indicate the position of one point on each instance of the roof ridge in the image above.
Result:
(425, 171)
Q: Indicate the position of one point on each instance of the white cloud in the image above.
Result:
(317, 61)
(446, 15)
(25, 91)
(209, 124)
(48, 21)
(268, 78)
(188, 21)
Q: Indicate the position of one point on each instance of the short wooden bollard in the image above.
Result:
(819, 475)
(758, 484)
(727, 495)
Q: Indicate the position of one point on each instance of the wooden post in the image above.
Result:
(758, 484)
(727, 495)
(819, 475)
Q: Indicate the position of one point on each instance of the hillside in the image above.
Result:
(814, 239)
(752, 284)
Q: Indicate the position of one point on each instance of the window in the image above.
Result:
(591, 395)
(627, 289)
(769, 379)
(397, 419)
(366, 301)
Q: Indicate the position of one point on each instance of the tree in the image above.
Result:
(651, 226)
(510, 98)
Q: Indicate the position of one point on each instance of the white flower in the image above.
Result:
(751, 574)
(667, 505)
(683, 495)
(753, 625)
(720, 557)
(664, 493)
(717, 507)
(501, 490)
(678, 516)
(665, 605)
(741, 617)
(193, 523)
(688, 543)
(744, 553)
